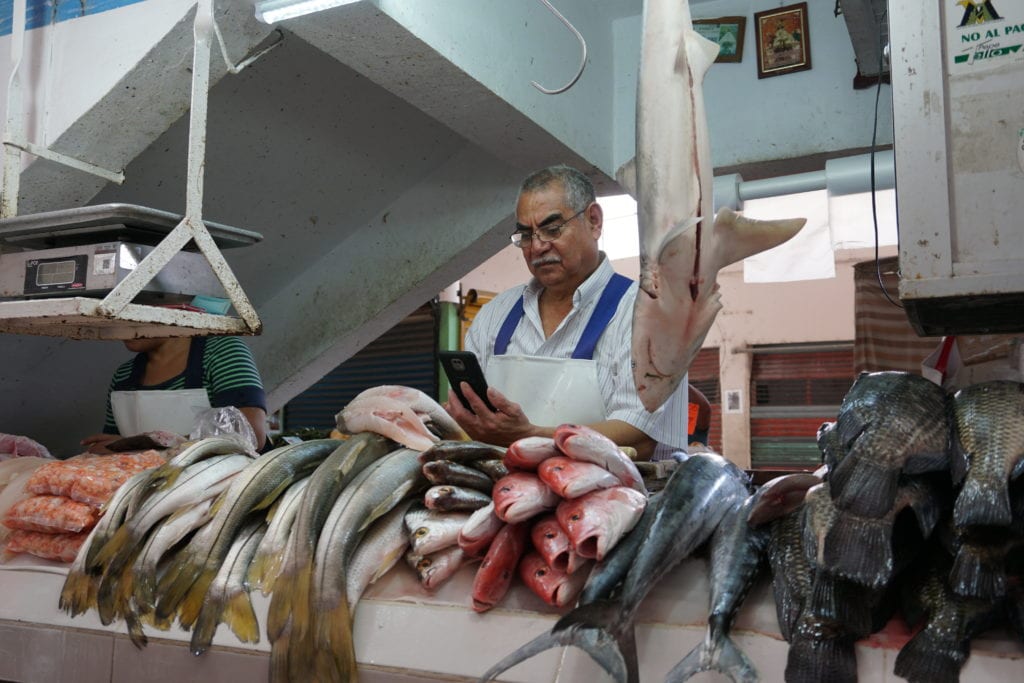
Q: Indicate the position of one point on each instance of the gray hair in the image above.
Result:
(579, 191)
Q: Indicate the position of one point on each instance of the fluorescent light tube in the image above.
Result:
(273, 11)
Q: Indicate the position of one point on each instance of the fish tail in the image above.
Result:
(300, 601)
(336, 655)
(106, 605)
(145, 589)
(111, 549)
(862, 487)
(135, 632)
(205, 626)
(193, 603)
(926, 659)
(722, 656)
(982, 503)
(151, 619)
(596, 629)
(860, 549)
(174, 586)
(837, 600)
(973, 576)
(241, 618)
(78, 593)
(280, 611)
(279, 658)
(264, 570)
(812, 661)
(544, 641)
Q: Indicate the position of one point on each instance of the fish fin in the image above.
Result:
(926, 658)
(810, 661)
(722, 656)
(279, 657)
(700, 54)
(263, 571)
(174, 585)
(626, 177)
(1018, 468)
(862, 487)
(739, 237)
(838, 600)
(860, 549)
(135, 632)
(111, 549)
(982, 503)
(334, 648)
(192, 605)
(241, 618)
(301, 616)
(972, 575)
(280, 610)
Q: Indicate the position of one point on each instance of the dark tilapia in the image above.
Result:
(737, 551)
(888, 423)
(988, 450)
(860, 548)
(938, 652)
(699, 493)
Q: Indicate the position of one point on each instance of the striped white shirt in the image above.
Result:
(667, 425)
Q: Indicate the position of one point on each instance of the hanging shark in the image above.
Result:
(682, 244)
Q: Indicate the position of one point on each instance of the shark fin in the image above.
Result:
(700, 55)
(626, 177)
(739, 237)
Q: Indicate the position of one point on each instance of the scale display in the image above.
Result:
(56, 274)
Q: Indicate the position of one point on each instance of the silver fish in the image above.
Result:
(227, 599)
(435, 569)
(440, 472)
(184, 587)
(681, 251)
(270, 554)
(736, 553)
(384, 544)
(433, 530)
(479, 530)
(449, 498)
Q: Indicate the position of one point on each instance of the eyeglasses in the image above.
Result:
(545, 233)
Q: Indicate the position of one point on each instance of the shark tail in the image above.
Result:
(740, 237)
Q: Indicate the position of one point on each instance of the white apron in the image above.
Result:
(551, 391)
(136, 412)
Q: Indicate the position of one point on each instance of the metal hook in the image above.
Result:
(583, 59)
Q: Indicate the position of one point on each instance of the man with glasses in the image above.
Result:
(557, 349)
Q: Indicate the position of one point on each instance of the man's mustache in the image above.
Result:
(544, 260)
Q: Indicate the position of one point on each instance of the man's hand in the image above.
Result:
(500, 428)
(97, 443)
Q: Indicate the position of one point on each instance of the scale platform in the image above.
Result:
(109, 223)
(55, 257)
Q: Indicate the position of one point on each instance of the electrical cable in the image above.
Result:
(874, 142)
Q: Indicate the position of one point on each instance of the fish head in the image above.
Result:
(514, 492)
(558, 473)
(551, 585)
(527, 453)
(551, 541)
(586, 521)
(569, 259)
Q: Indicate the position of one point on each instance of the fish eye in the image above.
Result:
(422, 531)
(505, 489)
(542, 572)
(558, 468)
(550, 534)
(423, 564)
(575, 517)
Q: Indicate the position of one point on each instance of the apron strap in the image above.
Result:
(508, 327)
(602, 315)
(603, 312)
(194, 366)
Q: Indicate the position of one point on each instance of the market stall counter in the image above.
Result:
(404, 634)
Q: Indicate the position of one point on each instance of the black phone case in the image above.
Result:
(462, 366)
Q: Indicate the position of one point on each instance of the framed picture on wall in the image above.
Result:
(783, 40)
(727, 32)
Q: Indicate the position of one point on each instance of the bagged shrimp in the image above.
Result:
(51, 514)
(91, 480)
(59, 547)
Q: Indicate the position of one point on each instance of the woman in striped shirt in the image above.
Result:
(222, 368)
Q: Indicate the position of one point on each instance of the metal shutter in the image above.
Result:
(405, 354)
(795, 388)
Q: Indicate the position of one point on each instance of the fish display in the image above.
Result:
(699, 493)
(682, 244)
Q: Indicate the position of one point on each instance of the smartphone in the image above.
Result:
(462, 366)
